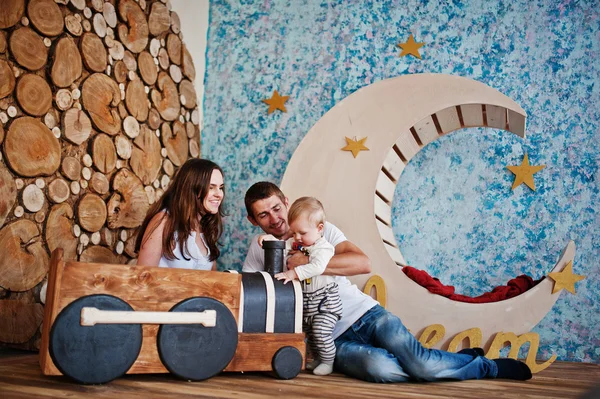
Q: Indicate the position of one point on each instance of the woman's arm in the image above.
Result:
(214, 267)
(151, 249)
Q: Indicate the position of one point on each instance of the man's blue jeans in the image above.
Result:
(378, 348)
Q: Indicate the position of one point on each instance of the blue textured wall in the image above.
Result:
(454, 213)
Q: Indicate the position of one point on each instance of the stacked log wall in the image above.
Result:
(97, 112)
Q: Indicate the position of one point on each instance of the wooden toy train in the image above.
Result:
(102, 321)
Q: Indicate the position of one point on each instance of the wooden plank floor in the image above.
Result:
(20, 377)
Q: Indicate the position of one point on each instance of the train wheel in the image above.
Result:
(94, 354)
(192, 351)
(287, 362)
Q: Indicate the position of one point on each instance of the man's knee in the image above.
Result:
(374, 366)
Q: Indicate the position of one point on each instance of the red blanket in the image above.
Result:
(513, 288)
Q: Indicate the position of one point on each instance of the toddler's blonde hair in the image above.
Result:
(309, 206)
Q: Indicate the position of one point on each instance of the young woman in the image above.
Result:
(182, 228)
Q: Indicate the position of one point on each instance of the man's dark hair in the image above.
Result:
(259, 191)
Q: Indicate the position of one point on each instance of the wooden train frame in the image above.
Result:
(102, 321)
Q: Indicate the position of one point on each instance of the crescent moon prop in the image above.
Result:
(400, 116)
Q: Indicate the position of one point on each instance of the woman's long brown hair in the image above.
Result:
(183, 202)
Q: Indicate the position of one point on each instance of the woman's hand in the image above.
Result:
(286, 276)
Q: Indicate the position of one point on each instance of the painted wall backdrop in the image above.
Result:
(454, 213)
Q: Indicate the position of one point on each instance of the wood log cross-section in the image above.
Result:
(24, 261)
(101, 96)
(33, 94)
(104, 153)
(12, 11)
(128, 204)
(159, 20)
(134, 33)
(91, 212)
(8, 193)
(93, 52)
(77, 126)
(28, 48)
(46, 17)
(136, 100)
(166, 98)
(176, 142)
(59, 230)
(67, 66)
(147, 67)
(20, 320)
(7, 79)
(145, 157)
(71, 168)
(31, 149)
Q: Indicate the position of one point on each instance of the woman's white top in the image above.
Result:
(198, 261)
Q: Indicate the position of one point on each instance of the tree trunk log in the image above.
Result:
(147, 67)
(7, 79)
(24, 261)
(136, 100)
(77, 127)
(33, 94)
(58, 191)
(33, 198)
(174, 48)
(188, 64)
(59, 231)
(128, 205)
(31, 149)
(176, 142)
(8, 193)
(20, 320)
(99, 183)
(103, 153)
(159, 20)
(28, 48)
(12, 11)
(98, 254)
(93, 52)
(46, 17)
(154, 119)
(91, 212)
(133, 34)
(71, 168)
(100, 95)
(73, 25)
(123, 146)
(67, 63)
(120, 71)
(186, 89)
(145, 157)
(166, 98)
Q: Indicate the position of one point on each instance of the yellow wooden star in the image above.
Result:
(355, 146)
(565, 279)
(524, 173)
(410, 47)
(276, 102)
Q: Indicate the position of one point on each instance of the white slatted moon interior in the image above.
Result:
(400, 116)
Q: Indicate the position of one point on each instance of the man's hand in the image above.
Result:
(296, 258)
(286, 276)
(265, 237)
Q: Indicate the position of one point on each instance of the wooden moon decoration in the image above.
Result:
(388, 110)
(12, 11)
(81, 101)
(31, 149)
(7, 79)
(24, 261)
(101, 96)
(34, 95)
(28, 48)
(46, 17)
(133, 34)
(67, 66)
